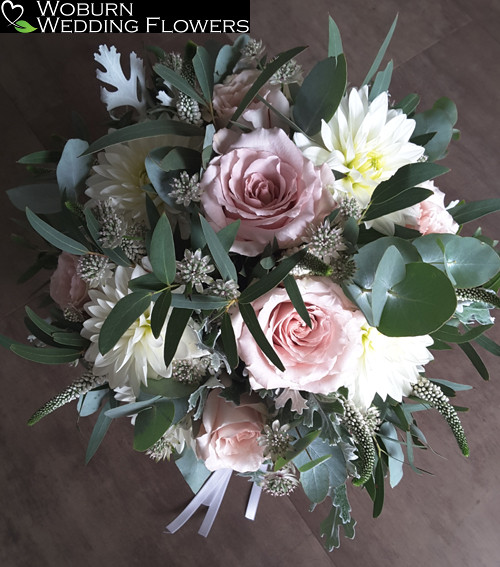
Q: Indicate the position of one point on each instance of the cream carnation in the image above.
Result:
(138, 355)
(430, 216)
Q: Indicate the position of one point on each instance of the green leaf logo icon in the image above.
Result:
(22, 26)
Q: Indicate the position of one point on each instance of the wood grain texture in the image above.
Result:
(57, 512)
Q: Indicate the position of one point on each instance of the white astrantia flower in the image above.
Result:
(138, 355)
(387, 366)
(366, 141)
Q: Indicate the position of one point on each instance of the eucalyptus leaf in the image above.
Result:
(320, 94)
(46, 355)
(467, 212)
(169, 388)
(100, 429)
(54, 237)
(42, 198)
(488, 344)
(162, 251)
(146, 282)
(431, 248)
(434, 121)
(394, 451)
(229, 341)
(199, 302)
(69, 339)
(378, 502)
(180, 158)
(400, 190)
(128, 309)
(73, 168)
(221, 258)
(409, 103)
(382, 81)
(147, 129)
(296, 298)
(228, 56)
(172, 78)
(335, 47)
(160, 312)
(193, 470)
(469, 262)
(380, 54)
(116, 255)
(390, 271)
(129, 409)
(204, 68)
(206, 154)
(90, 402)
(419, 304)
(271, 279)
(151, 424)
(262, 79)
(475, 359)
(227, 235)
(251, 321)
(177, 322)
(40, 158)
(450, 334)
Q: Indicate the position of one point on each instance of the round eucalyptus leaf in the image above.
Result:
(369, 256)
(469, 262)
(431, 248)
(419, 304)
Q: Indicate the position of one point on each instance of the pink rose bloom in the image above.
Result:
(228, 95)
(432, 216)
(228, 436)
(318, 359)
(263, 180)
(67, 288)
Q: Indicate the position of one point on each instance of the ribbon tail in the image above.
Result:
(253, 501)
(211, 495)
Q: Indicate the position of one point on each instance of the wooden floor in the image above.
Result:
(57, 512)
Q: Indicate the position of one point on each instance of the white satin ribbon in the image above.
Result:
(211, 495)
(253, 501)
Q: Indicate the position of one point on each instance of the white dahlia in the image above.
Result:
(366, 141)
(120, 174)
(387, 366)
(138, 355)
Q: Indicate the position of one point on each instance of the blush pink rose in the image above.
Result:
(67, 288)
(229, 94)
(317, 359)
(432, 216)
(263, 180)
(228, 436)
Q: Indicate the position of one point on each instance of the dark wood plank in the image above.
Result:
(57, 512)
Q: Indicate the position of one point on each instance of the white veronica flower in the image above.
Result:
(366, 141)
(387, 366)
(138, 355)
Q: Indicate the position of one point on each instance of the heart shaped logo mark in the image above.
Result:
(9, 11)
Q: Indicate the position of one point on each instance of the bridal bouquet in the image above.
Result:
(256, 266)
